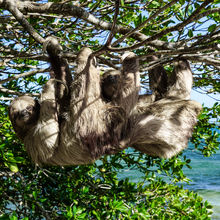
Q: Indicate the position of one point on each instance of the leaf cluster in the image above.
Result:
(128, 185)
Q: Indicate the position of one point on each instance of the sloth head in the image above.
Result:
(110, 83)
(23, 113)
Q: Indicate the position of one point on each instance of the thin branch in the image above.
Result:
(12, 92)
(29, 73)
(192, 17)
(186, 50)
(145, 22)
(6, 99)
(192, 57)
(106, 62)
(207, 38)
(156, 63)
(72, 10)
(112, 33)
(12, 7)
(205, 59)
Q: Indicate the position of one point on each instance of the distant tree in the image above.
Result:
(166, 29)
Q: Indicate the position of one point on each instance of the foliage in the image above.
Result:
(100, 191)
(206, 134)
(96, 192)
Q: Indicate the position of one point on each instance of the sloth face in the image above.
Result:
(23, 111)
(110, 83)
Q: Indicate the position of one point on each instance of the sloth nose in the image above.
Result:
(23, 113)
(112, 78)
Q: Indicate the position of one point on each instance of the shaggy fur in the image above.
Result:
(61, 72)
(180, 82)
(110, 84)
(103, 117)
(167, 124)
(158, 81)
(91, 129)
(39, 128)
(162, 127)
(122, 87)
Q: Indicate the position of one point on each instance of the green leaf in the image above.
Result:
(13, 168)
(34, 193)
(212, 27)
(4, 217)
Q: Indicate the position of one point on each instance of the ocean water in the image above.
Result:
(205, 176)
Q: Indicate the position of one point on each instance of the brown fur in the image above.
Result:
(168, 125)
(23, 113)
(90, 130)
(161, 128)
(40, 132)
(180, 82)
(124, 91)
(95, 126)
(110, 84)
(158, 81)
(61, 72)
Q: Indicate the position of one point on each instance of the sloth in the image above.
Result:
(162, 123)
(102, 116)
(91, 128)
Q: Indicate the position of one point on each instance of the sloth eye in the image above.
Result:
(29, 108)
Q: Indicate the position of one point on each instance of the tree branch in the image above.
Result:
(186, 50)
(112, 33)
(29, 73)
(12, 7)
(72, 10)
(12, 92)
(144, 23)
(192, 17)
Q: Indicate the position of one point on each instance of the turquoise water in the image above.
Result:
(205, 176)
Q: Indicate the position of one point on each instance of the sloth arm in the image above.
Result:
(43, 139)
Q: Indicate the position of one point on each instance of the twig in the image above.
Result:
(11, 6)
(112, 33)
(194, 16)
(201, 58)
(29, 73)
(6, 99)
(145, 22)
(187, 50)
(12, 92)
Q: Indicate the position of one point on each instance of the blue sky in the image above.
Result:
(205, 99)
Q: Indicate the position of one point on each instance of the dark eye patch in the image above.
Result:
(29, 108)
(15, 114)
